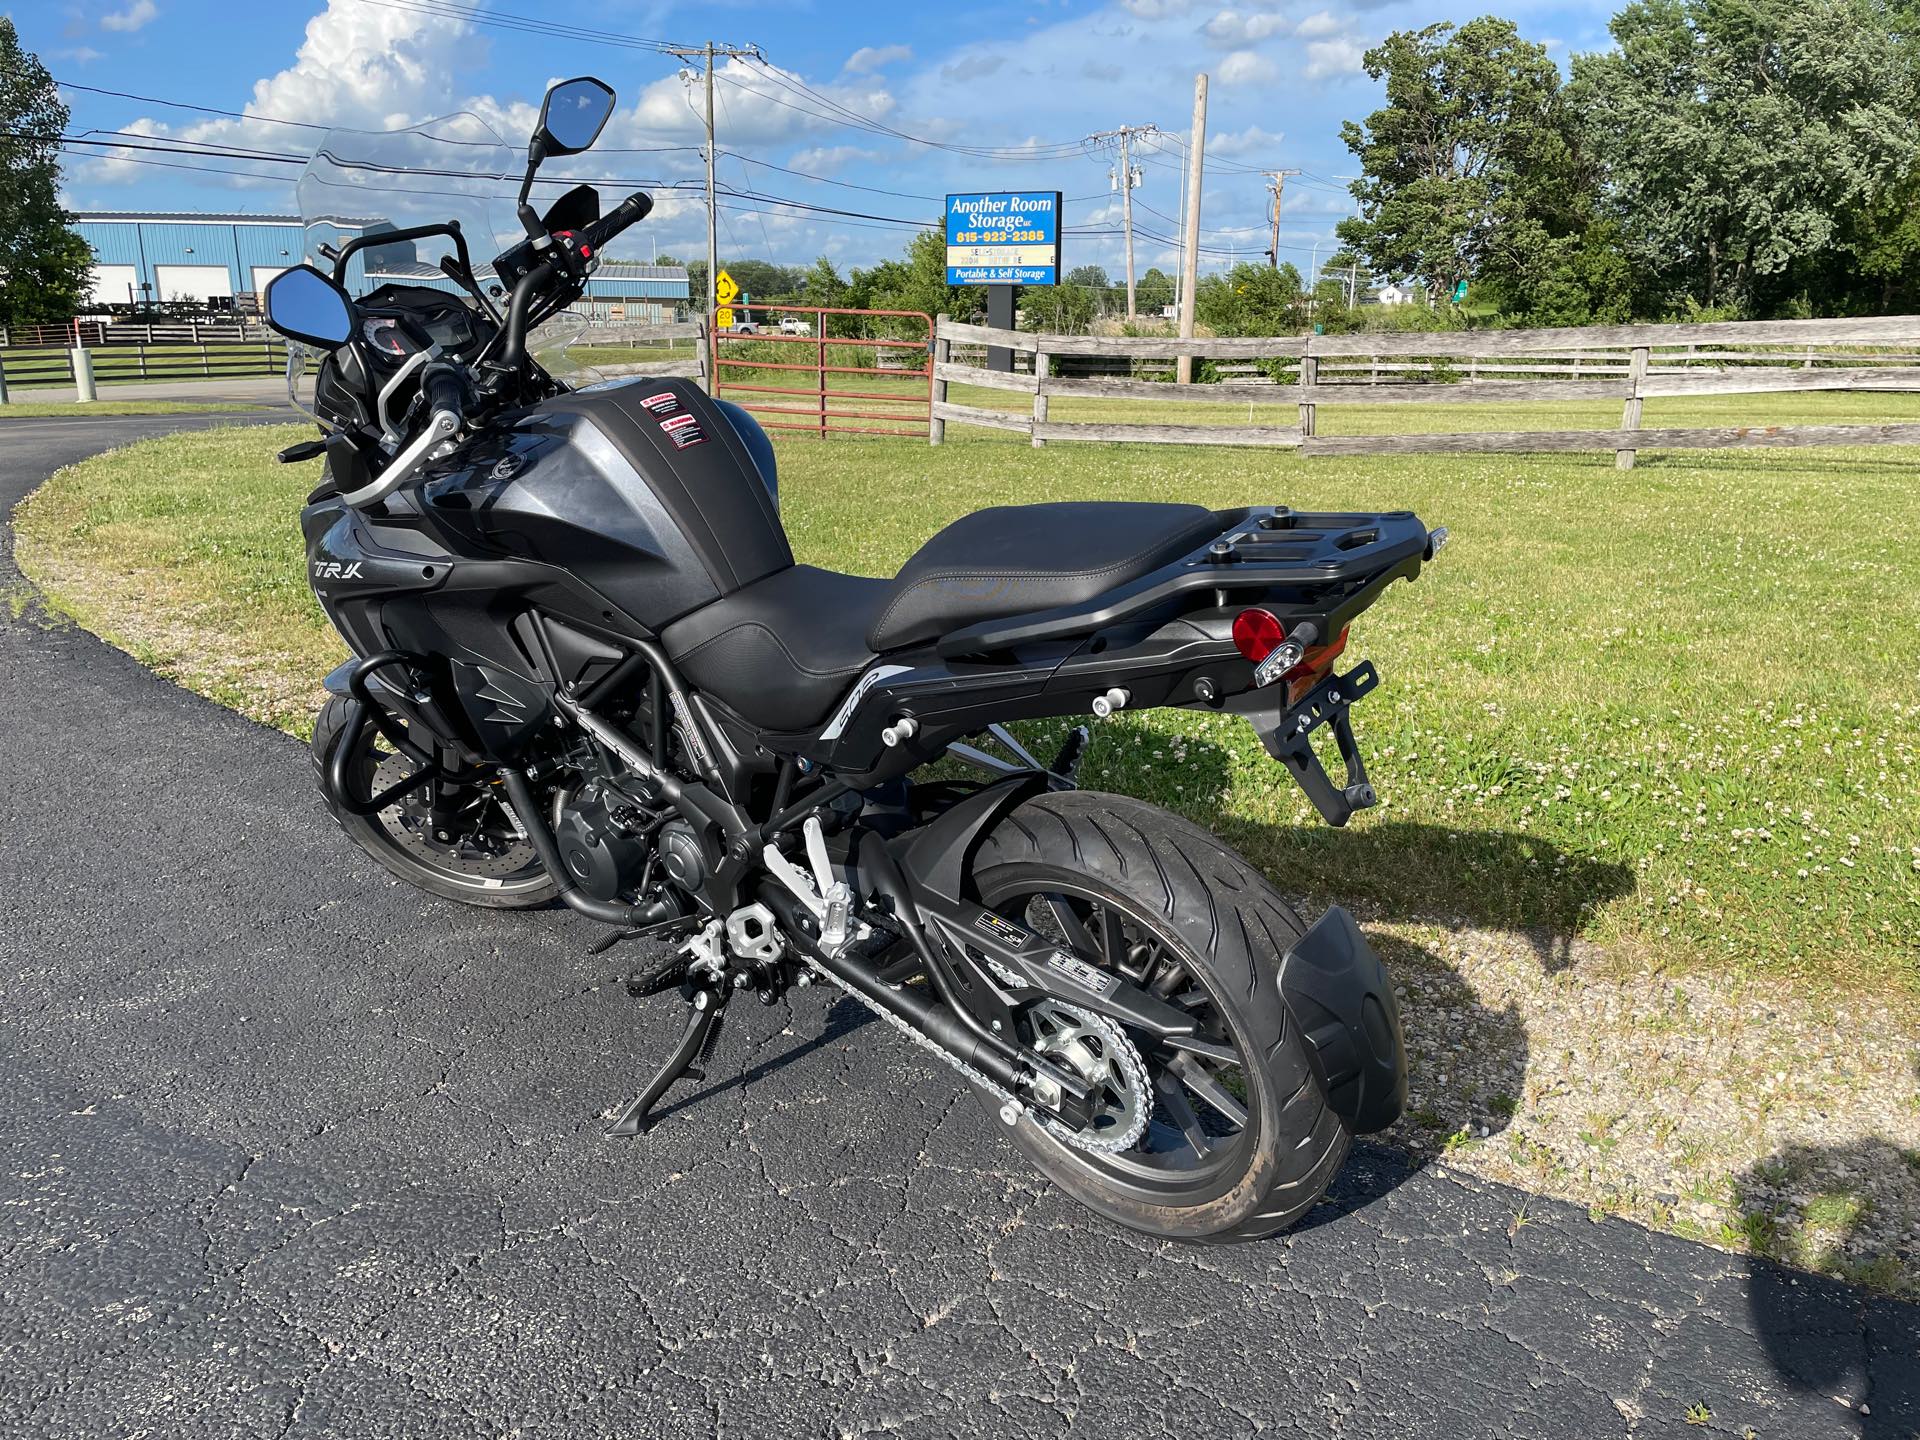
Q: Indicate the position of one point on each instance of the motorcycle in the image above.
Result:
(589, 670)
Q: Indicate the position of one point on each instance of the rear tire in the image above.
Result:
(1197, 922)
(496, 874)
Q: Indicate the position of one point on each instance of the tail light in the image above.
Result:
(1262, 639)
(1257, 634)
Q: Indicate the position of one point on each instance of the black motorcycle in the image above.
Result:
(588, 669)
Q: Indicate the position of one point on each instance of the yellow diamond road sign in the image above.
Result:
(724, 290)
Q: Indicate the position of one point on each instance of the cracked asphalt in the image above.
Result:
(291, 1150)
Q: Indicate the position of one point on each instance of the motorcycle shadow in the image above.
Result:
(843, 1018)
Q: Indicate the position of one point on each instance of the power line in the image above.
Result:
(524, 24)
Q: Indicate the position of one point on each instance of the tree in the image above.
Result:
(1059, 309)
(1090, 277)
(917, 282)
(823, 285)
(43, 265)
(1747, 145)
(1470, 171)
(1153, 292)
(1251, 299)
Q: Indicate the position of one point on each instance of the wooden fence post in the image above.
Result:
(1039, 396)
(942, 348)
(1309, 377)
(1630, 412)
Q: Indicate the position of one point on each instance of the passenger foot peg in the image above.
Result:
(697, 1042)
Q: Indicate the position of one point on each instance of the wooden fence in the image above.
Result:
(681, 347)
(115, 364)
(1629, 363)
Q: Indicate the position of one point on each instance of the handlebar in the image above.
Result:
(444, 389)
(630, 211)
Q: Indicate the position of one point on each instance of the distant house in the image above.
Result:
(1391, 294)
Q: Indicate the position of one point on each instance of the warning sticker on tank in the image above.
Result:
(663, 403)
(684, 430)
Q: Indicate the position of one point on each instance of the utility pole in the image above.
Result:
(1128, 179)
(1190, 258)
(707, 52)
(1277, 187)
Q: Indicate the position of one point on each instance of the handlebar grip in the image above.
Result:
(630, 211)
(444, 389)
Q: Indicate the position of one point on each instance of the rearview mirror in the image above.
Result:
(573, 115)
(303, 304)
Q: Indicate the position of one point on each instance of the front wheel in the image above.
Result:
(1238, 1140)
(480, 859)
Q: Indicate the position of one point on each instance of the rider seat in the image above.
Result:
(782, 650)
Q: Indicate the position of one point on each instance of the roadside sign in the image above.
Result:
(1004, 238)
(1460, 292)
(724, 290)
(723, 318)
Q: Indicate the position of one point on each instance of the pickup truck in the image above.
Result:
(794, 325)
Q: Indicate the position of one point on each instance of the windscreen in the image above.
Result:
(365, 182)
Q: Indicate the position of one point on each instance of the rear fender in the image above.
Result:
(1340, 994)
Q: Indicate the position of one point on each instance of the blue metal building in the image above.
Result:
(212, 259)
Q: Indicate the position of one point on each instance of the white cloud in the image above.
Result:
(1250, 141)
(1157, 9)
(1321, 22)
(824, 159)
(1231, 27)
(971, 67)
(869, 58)
(1329, 58)
(752, 106)
(131, 18)
(80, 55)
(1247, 67)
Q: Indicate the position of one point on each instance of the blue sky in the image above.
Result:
(1006, 76)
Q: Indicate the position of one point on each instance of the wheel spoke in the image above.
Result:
(1194, 1045)
(1192, 1075)
(1072, 929)
(1180, 1110)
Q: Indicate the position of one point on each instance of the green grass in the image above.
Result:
(1673, 710)
(23, 408)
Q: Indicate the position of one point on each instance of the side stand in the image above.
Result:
(704, 1005)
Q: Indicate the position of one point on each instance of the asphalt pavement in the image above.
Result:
(291, 1150)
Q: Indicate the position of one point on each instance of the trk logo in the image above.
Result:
(334, 570)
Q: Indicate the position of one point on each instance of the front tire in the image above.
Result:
(1233, 1150)
(486, 865)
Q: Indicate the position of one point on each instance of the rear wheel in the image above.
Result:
(1238, 1141)
(479, 858)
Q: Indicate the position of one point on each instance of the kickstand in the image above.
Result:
(696, 1041)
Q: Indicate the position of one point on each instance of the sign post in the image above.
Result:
(1001, 240)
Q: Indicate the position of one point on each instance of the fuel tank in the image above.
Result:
(657, 497)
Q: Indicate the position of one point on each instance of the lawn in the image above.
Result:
(1674, 711)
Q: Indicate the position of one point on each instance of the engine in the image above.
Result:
(603, 838)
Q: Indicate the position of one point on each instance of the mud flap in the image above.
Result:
(1341, 995)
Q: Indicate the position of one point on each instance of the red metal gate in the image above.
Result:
(908, 401)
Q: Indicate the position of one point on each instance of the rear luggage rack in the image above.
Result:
(1345, 558)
